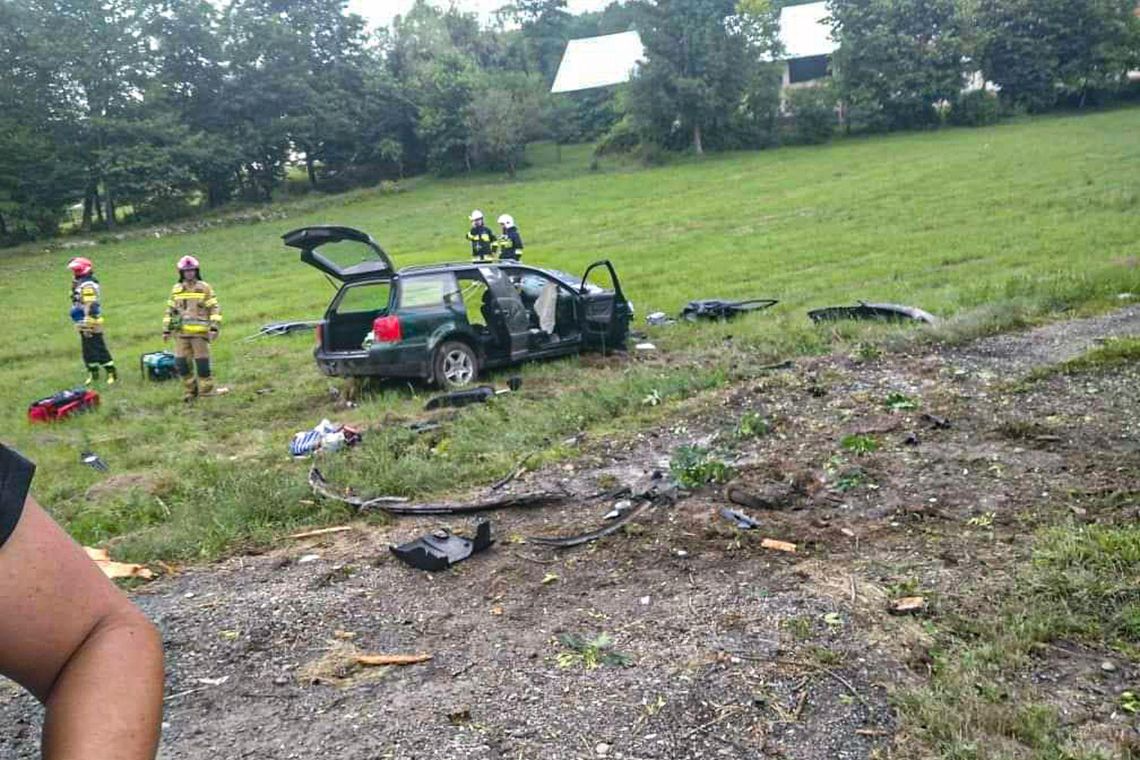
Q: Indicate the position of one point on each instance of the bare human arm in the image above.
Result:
(78, 644)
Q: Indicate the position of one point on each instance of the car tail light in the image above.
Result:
(320, 333)
(387, 330)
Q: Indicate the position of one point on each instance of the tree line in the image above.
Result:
(123, 110)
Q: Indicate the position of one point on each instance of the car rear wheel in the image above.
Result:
(456, 365)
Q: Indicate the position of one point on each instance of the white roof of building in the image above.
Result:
(805, 31)
(598, 62)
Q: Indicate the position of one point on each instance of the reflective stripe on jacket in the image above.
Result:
(480, 238)
(85, 296)
(192, 309)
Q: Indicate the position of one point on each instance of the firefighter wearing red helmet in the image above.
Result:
(87, 315)
(193, 318)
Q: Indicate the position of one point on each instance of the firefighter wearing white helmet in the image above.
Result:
(510, 244)
(193, 318)
(480, 236)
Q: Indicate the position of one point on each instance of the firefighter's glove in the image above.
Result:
(212, 335)
(165, 335)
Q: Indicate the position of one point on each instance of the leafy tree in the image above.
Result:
(1039, 50)
(897, 59)
(504, 119)
(702, 55)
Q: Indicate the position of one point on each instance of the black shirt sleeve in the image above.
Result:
(15, 479)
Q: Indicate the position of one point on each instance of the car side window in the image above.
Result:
(427, 291)
(366, 298)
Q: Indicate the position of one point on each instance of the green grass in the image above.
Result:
(989, 228)
(1080, 587)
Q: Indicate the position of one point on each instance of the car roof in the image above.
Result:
(459, 265)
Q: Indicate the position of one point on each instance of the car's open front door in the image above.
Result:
(605, 312)
(509, 312)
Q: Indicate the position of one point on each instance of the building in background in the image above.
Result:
(598, 62)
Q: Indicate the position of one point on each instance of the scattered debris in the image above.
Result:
(283, 328)
(619, 509)
(343, 665)
(911, 439)
(939, 423)
(425, 426)
(585, 538)
(213, 681)
(94, 461)
(326, 436)
(780, 546)
(715, 309)
(442, 549)
(549, 578)
(398, 505)
(741, 520)
(380, 660)
(113, 569)
(645, 347)
(908, 605)
(308, 558)
(883, 312)
(480, 395)
(659, 319)
(321, 532)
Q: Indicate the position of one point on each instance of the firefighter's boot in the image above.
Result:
(112, 373)
(189, 388)
(92, 374)
(206, 386)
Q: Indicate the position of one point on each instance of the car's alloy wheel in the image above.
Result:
(456, 365)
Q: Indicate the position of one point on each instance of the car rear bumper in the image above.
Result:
(379, 361)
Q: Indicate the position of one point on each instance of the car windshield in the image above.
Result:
(573, 281)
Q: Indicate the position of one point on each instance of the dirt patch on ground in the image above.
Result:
(732, 650)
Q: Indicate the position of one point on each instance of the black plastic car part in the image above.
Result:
(714, 308)
(882, 312)
(441, 549)
(480, 395)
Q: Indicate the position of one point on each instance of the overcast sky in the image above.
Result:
(381, 12)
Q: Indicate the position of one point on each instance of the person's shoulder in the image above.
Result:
(205, 287)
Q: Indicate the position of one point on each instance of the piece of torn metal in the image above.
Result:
(398, 505)
(585, 538)
(94, 461)
(881, 312)
(441, 549)
(717, 309)
(739, 519)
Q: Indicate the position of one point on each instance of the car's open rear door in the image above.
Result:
(605, 312)
(342, 252)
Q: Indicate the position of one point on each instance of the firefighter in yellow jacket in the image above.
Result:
(194, 318)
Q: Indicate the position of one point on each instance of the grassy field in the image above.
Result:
(989, 227)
